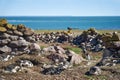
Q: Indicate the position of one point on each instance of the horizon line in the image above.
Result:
(58, 16)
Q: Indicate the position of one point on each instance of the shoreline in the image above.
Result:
(76, 31)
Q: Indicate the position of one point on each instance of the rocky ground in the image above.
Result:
(88, 55)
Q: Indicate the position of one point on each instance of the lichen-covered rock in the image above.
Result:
(21, 28)
(3, 29)
(9, 26)
(3, 22)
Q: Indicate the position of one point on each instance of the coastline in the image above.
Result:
(75, 31)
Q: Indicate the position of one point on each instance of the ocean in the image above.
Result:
(61, 23)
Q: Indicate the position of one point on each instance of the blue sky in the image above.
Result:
(59, 7)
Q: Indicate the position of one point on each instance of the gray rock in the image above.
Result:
(5, 57)
(98, 47)
(75, 58)
(14, 38)
(18, 43)
(26, 63)
(4, 36)
(95, 70)
(5, 49)
(35, 46)
(30, 39)
(49, 49)
(10, 32)
(28, 32)
(18, 33)
(12, 68)
(59, 49)
(4, 42)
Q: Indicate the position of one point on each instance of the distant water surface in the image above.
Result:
(61, 23)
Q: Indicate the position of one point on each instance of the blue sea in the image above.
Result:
(61, 23)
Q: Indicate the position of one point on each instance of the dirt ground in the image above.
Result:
(77, 72)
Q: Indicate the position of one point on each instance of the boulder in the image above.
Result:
(17, 33)
(57, 57)
(74, 58)
(115, 37)
(53, 70)
(5, 49)
(14, 38)
(9, 26)
(4, 42)
(49, 49)
(5, 57)
(26, 63)
(3, 29)
(4, 36)
(19, 43)
(9, 32)
(95, 70)
(35, 47)
(21, 28)
(30, 39)
(3, 22)
(59, 49)
(12, 68)
(28, 32)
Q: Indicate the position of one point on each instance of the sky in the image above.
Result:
(59, 7)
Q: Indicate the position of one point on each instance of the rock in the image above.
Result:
(17, 33)
(3, 22)
(49, 49)
(52, 70)
(95, 70)
(30, 39)
(5, 57)
(98, 47)
(12, 68)
(57, 57)
(116, 44)
(19, 43)
(115, 37)
(3, 29)
(4, 42)
(28, 32)
(26, 63)
(9, 32)
(4, 36)
(14, 38)
(35, 47)
(9, 26)
(59, 49)
(5, 49)
(91, 38)
(75, 58)
(21, 28)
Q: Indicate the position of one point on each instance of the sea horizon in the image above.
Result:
(62, 22)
